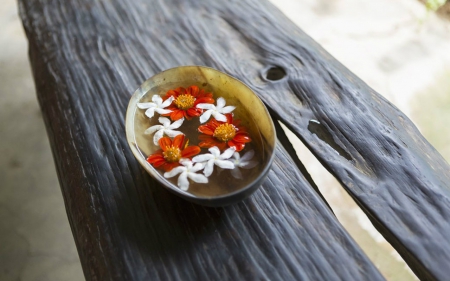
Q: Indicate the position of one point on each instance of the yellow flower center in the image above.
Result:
(184, 101)
(172, 154)
(224, 132)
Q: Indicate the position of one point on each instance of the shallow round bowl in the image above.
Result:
(226, 137)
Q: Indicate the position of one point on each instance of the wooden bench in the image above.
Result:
(88, 56)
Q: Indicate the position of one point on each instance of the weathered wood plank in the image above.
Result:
(372, 148)
(87, 59)
(382, 160)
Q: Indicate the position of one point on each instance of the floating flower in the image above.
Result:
(223, 134)
(243, 162)
(216, 111)
(165, 128)
(185, 102)
(171, 152)
(215, 158)
(187, 171)
(157, 105)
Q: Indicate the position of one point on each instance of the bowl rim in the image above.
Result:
(130, 135)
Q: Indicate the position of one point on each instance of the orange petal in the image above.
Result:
(170, 113)
(204, 100)
(229, 118)
(170, 93)
(169, 166)
(214, 123)
(206, 137)
(156, 159)
(180, 91)
(221, 145)
(205, 144)
(176, 114)
(193, 112)
(242, 137)
(165, 142)
(209, 141)
(190, 151)
(193, 90)
(205, 129)
(158, 164)
(206, 141)
(208, 96)
(178, 141)
(237, 145)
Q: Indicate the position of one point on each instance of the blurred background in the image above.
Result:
(398, 47)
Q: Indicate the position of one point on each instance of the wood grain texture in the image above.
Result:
(88, 56)
(87, 60)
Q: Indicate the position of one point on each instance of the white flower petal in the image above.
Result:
(157, 99)
(202, 158)
(186, 162)
(150, 112)
(224, 164)
(219, 116)
(214, 151)
(227, 109)
(145, 105)
(198, 167)
(198, 178)
(175, 171)
(227, 153)
(209, 167)
(205, 116)
(236, 173)
(236, 156)
(177, 124)
(167, 102)
(248, 155)
(164, 121)
(162, 111)
(152, 129)
(206, 106)
(220, 103)
(183, 182)
(248, 164)
(172, 133)
(158, 136)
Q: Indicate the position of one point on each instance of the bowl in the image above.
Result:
(203, 134)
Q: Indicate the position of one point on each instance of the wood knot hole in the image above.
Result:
(275, 73)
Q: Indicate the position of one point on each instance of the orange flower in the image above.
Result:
(171, 152)
(223, 134)
(185, 102)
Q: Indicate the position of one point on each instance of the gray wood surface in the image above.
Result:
(89, 56)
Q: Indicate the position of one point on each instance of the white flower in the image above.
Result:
(165, 128)
(215, 158)
(245, 163)
(216, 111)
(157, 105)
(187, 171)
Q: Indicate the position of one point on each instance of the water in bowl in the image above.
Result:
(221, 182)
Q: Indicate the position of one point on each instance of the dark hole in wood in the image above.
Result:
(275, 73)
(321, 131)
